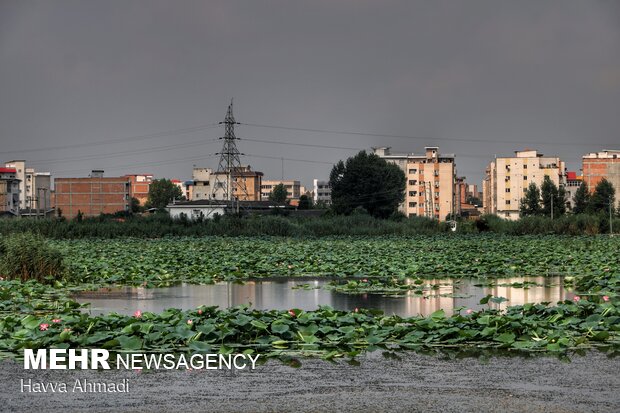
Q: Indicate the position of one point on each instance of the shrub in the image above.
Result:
(26, 256)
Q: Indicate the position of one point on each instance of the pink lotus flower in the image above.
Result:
(44, 327)
(200, 312)
(137, 314)
(56, 320)
(291, 313)
(605, 298)
(365, 280)
(190, 322)
(469, 311)
(66, 329)
(357, 310)
(576, 298)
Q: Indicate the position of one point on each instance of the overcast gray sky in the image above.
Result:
(476, 78)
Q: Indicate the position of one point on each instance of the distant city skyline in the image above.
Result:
(140, 87)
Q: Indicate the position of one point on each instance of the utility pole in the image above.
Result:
(552, 205)
(611, 219)
(230, 164)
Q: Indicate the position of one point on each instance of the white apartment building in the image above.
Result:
(507, 178)
(34, 187)
(321, 191)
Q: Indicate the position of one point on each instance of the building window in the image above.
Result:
(413, 193)
(508, 202)
(524, 166)
(507, 189)
(525, 177)
(413, 171)
(413, 182)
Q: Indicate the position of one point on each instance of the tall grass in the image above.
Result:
(26, 256)
(161, 225)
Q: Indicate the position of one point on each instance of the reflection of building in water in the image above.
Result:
(280, 295)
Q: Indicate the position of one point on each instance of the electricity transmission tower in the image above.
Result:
(229, 181)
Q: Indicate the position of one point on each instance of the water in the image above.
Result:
(279, 294)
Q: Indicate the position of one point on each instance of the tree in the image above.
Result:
(474, 200)
(135, 205)
(305, 202)
(162, 192)
(551, 195)
(581, 199)
(369, 182)
(278, 194)
(603, 195)
(530, 203)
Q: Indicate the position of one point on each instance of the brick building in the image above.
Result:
(599, 165)
(139, 186)
(93, 195)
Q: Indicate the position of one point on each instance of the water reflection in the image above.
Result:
(279, 294)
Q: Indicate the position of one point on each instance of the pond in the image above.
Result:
(281, 294)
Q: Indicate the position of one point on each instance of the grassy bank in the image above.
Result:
(161, 225)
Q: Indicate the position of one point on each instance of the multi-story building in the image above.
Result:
(322, 192)
(139, 186)
(93, 195)
(507, 179)
(599, 165)
(34, 187)
(293, 189)
(430, 188)
(207, 184)
(9, 191)
(573, 182)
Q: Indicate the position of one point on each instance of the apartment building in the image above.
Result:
(9, 191)
(321, 192)
(430, 190)
(207, 184)
(93, 195)
(599, 165)
(507, 178)
(293, 189)
(573, 182)
(139, 186)
(34, 187)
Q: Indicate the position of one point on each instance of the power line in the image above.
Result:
(126, 153)
(308, 145)
(119, 140)
(287, 159)
(165, 162)
(388, 135)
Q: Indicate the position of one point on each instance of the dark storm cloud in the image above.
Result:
(79, 72)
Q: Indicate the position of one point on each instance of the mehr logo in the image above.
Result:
(62, 359)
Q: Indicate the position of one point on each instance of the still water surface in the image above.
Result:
(279, 294)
